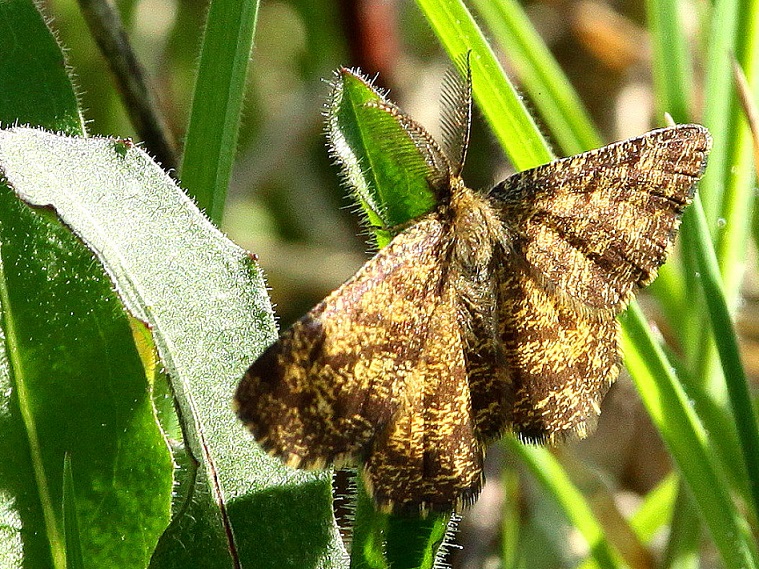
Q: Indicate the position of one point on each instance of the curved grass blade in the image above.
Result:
(541, 76)
(686, 439)
(494, 93)
(727, 345)
(551, 475)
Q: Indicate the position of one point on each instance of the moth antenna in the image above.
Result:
(436, 168)
(456, 111)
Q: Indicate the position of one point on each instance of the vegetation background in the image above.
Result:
(285, 203)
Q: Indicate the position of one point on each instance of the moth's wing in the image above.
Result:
(428, 457)
(562, 356)
(336, 377)
(490, 383)
(488, 374)
(598, 224)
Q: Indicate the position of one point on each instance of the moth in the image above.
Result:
(495, 312)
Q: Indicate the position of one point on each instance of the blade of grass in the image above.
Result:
(211, 138)
(684, 542)
(495, 95)
(673, 85)
(672, 68)
(656, 509)
(553, 478)
(686, 439)
(723, 30)
(752, 115)
(540, 74)
(510, 519)
(726, 190)
(748, 106)
(654, 513)
(727, 344)
(732, 178)
(738, 194)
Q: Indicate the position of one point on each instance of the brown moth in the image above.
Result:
(494, 312)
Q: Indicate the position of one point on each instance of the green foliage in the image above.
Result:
(92, 230)
(380, 162)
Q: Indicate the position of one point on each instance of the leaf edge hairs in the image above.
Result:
(493, 312)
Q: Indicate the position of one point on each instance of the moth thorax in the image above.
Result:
(475, 227)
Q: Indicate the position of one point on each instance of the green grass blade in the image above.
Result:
(723, 36)
(673, 82)
(727, 346)
(553, 478)
(543, 79)
(211, 139)
(511, 555)
(495, 95)
(686, 531)
(656, 509)
(686, 439)
(727, 189)
(738, 197)
(673, 87)
(738, 201)
(654, 513)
